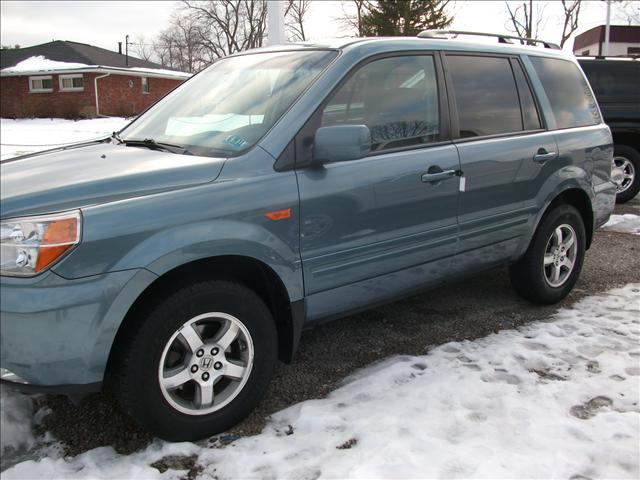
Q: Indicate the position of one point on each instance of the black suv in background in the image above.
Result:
(616, 83)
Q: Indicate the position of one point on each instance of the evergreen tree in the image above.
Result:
(404, 17)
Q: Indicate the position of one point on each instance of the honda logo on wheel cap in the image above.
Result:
(205, 363)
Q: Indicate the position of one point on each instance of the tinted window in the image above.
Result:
(486, 95)
(568, 92)
(613, 81)
(530, 115)
(397, 98)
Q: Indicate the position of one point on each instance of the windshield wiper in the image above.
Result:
(151, 144)
(116, 137)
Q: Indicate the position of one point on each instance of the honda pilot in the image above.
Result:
(178, 260)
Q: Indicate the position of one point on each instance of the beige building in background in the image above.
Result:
(624, 40)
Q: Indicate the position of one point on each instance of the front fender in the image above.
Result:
(163, 231)
(175, 247)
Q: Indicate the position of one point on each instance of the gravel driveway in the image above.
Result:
(464, 310)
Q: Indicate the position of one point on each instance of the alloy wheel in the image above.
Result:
(560, 255)
(625, 174)
(206, 363)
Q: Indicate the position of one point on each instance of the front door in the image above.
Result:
(378, 226)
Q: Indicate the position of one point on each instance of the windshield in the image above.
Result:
(226, 109)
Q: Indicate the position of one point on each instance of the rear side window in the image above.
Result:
(571, 100)
(613, 81)
(530, 115)
(397, 98)
(486, 95)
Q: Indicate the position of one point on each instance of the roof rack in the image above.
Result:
(501, 38)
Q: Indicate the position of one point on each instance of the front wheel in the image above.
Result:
(551, 265)
(199, 362)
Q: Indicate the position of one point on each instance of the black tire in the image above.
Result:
(631, 154)
(136, 382)
(528, 275)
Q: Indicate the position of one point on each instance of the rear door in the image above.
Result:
(366, 222)
(505, 153)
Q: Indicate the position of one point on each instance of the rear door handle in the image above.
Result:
(542, 155)
(436, 176)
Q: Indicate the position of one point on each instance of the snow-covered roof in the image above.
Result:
(39, 64)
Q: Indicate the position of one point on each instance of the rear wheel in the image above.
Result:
(199, 362)
(626, 167)
(551, 266)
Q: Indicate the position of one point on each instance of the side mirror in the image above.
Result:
(341, 143)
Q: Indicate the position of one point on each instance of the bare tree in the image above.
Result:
(354, 19)
(179, 45)
(526, 19)
(570, 24)
(294, 18)
(628, 12)
(228, 26)
(141, 49)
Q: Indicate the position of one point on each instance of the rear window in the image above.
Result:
(571, 100)
(613, 81)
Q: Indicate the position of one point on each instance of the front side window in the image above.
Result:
(226, 109)
(568, 92)
(71, 83)
(486, 95)
(41, 84)
(145, 84)
(397, 98)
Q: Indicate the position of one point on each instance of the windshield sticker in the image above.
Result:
(235, 141)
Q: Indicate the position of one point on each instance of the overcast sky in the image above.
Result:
(106, 23)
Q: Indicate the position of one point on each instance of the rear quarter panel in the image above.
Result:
(584, 162)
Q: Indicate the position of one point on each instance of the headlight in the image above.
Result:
(30, 245)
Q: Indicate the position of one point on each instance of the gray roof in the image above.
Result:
(72, 52)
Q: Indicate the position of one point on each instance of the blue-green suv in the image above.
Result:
(179, 259)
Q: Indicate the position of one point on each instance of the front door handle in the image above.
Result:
(542, 155)
(436, 174)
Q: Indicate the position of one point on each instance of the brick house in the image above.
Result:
(72, 80)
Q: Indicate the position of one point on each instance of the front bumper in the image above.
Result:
(56, 334)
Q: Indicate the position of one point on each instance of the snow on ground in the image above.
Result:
(20, 137)
(555, 399)
(16, 419)
(627, 223)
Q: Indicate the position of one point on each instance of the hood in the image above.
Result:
(78, 177)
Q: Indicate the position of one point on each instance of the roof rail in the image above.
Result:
(501, 38)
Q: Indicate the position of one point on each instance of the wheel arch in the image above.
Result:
(253, 273)
(577, 198)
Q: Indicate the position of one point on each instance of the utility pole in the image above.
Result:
(275, 22)
(126, 50)
(605, 50)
